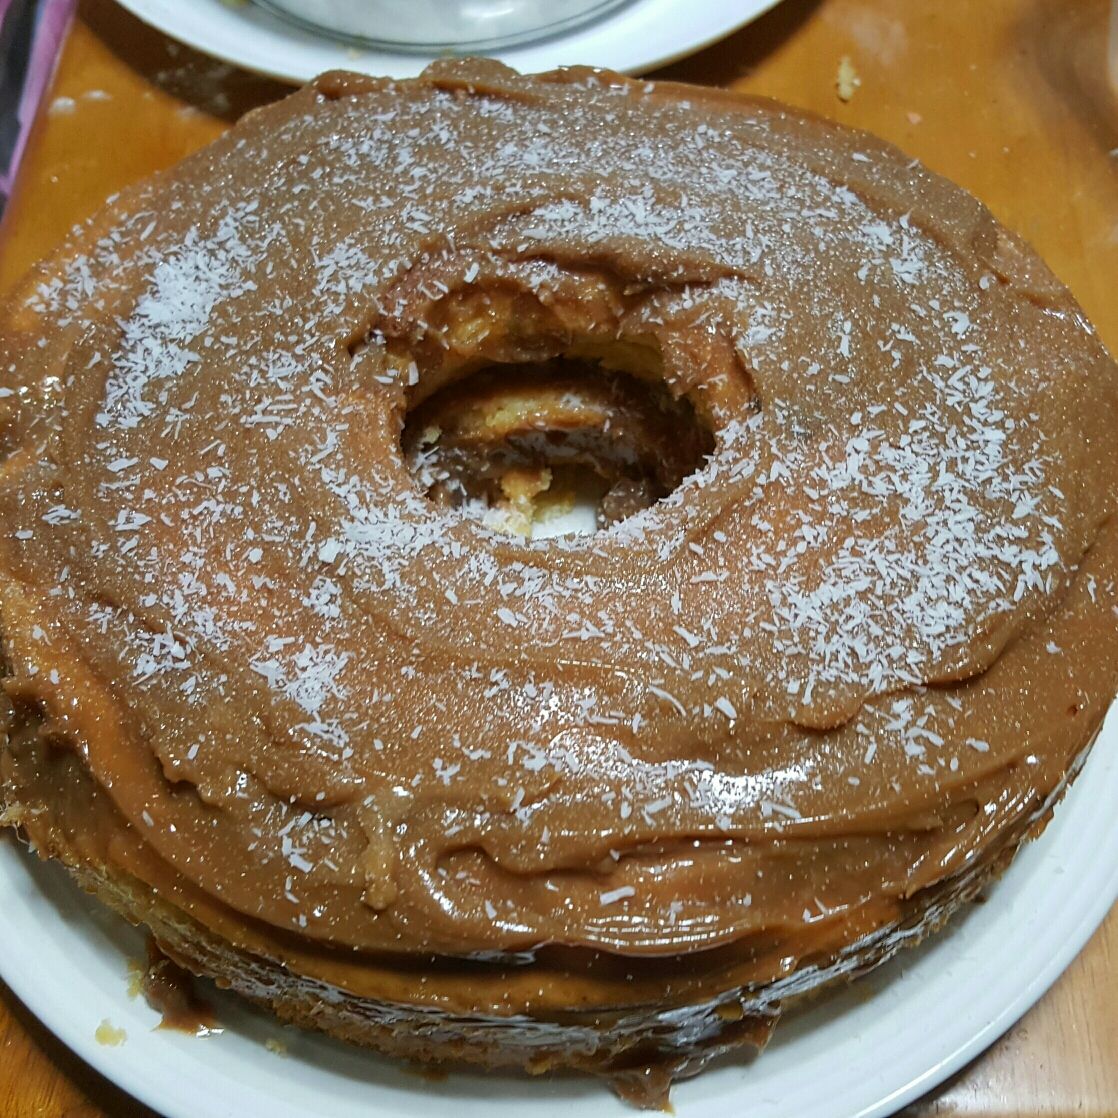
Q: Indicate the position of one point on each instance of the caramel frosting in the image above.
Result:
(848, 660)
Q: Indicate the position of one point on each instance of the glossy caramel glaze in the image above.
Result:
(169, 990)
(845, 664)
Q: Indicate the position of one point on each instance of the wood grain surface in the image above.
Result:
(1007, 97)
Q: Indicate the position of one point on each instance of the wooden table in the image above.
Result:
(1007, 97)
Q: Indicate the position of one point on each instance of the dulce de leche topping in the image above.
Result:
(850, 656)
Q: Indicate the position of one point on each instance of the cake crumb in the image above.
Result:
(137, 968)
(847, 80)
(109, 1035)
(914, 118)
(277, 1046)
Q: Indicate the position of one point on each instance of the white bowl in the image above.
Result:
(632, 38)
(455, 26)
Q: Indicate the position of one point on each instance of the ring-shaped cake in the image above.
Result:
(288, 679)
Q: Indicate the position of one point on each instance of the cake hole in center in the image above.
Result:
(553, 447)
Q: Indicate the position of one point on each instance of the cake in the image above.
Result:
(288, 680)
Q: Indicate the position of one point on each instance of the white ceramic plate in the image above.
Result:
(862, 1053)
(635, 38)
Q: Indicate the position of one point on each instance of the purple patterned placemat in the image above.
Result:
(31, 37)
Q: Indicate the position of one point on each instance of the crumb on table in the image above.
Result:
(847, 79)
